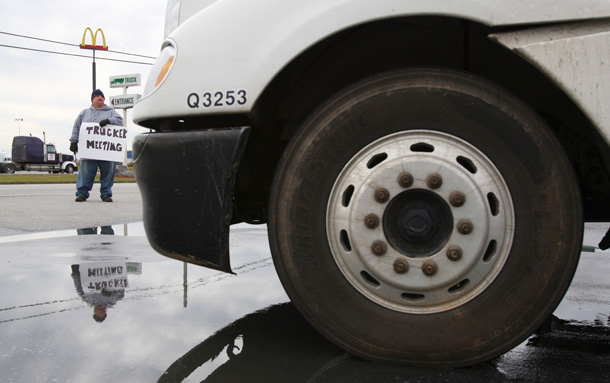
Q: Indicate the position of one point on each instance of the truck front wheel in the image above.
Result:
(9, 168)
(69, 169)
(427, 217)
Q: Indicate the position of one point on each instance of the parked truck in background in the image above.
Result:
(33, 154)
(424, 168)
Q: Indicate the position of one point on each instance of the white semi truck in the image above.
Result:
(424, 167)
(6, 163)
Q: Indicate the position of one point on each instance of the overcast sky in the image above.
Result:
(48, 91)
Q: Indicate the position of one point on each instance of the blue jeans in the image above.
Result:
(86, 176)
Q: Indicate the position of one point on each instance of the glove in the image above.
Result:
(104, 122)
(74, 147)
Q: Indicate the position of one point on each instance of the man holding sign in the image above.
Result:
(99, 134)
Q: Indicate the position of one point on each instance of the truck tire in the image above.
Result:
(425, 217)
(69, 169)
(9, 168)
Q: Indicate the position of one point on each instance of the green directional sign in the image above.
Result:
(125, 80)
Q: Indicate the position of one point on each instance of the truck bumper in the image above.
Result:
(186, 180)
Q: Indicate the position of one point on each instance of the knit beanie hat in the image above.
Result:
(97, 92)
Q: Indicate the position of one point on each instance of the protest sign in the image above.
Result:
(106, 143)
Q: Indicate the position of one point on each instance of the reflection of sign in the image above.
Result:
(93, 40)
(134, 268)
(105, 143)
(125, 80)
(103, 277)
(124, 101)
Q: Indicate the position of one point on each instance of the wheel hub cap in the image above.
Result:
(417, 223)
(420, 221)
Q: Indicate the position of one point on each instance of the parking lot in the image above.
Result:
(161, 320)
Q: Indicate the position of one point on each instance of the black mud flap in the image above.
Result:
(186, 180)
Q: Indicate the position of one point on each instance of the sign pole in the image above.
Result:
(93, 71)
(93, 47)
(125, 101)
(125, 125)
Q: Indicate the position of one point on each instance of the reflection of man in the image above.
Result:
(99, 312)
(101, 285)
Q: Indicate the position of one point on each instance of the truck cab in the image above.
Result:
(32, 153)
(424, 168)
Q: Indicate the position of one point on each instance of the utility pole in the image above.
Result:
(19, 124)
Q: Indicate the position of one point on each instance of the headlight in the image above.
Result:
(161, 68)
(172, 16)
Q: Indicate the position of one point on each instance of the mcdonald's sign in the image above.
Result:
(93, 40)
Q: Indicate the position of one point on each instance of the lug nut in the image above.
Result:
(382, 195)
(434, 181)
(400, 267)
(429, 268)
(371, 221)
(405, 180)
(465, 226)
(379, 248)
(454, 253)
(457, 199)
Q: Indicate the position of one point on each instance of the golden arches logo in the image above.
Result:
(93, 39)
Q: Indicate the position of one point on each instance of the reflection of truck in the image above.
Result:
(31, 153)
(424, 167)
(6, 163)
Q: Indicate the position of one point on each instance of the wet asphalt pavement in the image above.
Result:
(160, 320)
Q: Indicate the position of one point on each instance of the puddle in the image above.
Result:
(101, 309)
(110, 309)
